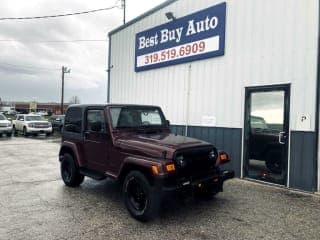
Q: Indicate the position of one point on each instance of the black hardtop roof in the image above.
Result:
(83, 106)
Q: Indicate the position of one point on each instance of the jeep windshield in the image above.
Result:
(137, 117)
(34, 118)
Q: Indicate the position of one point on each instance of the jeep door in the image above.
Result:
(97, 140)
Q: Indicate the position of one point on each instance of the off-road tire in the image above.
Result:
(70, 172)
(151, 197)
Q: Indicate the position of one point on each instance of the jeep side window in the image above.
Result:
(21, 118)
(95, 121)
(73, 120)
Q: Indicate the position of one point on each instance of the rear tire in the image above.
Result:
(140, 197)
(70, 172)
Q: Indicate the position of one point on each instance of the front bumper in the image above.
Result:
(5, 129)
(214, 180)
(39, 130)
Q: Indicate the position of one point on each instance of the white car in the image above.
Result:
(5, 126)
(31, 124)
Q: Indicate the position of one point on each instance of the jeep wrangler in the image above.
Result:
(134, 145)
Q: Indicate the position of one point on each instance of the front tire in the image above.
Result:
(24, 132)
(140, 197)
(14, 130)
(69, 171)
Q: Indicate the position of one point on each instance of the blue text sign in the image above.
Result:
(197, 36)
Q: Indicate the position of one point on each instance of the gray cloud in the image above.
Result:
(39, 74)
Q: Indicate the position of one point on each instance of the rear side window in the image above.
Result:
(73, 120)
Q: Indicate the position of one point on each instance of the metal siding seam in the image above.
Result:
(318, 106)
(109, 69)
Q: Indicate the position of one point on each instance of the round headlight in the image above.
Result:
(212, 154)
(180, 161)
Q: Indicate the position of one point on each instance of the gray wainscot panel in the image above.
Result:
(303, 165)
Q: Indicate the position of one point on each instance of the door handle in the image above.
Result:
(281, 137)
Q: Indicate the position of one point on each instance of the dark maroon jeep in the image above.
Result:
(133, 144)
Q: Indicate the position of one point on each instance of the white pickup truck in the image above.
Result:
(5, 126)
(31, 124)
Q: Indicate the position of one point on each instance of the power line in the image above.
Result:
(58, 15)
(28, 67)
(54, 41)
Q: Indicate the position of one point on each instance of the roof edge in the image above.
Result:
(142, 16)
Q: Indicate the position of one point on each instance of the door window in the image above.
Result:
(266, 134)
(95, 121)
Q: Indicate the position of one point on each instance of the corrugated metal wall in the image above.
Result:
(267, 42)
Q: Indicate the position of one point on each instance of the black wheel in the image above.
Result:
(140, 198)
(273, 161)
(49, 134)
(9, 134)
(14, 130)
(69, 171)
(24, 132)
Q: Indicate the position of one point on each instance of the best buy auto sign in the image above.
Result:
(197, 36)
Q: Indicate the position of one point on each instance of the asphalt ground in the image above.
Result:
(35, 204)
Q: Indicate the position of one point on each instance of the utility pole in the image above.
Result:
(123, 5)
(64, 70)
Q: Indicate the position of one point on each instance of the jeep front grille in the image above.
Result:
(195, 163)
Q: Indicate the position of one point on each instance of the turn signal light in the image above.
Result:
(155, 170)
(170, 167)
(223, 158)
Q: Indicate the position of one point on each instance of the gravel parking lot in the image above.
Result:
(35, 204)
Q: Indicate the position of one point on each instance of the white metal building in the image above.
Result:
(240, 71)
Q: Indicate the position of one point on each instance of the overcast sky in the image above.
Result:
(30, 70)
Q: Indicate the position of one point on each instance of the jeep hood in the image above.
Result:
(157, 145)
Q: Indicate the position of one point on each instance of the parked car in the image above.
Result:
(42, 113)
(57, 122)
(264, 144)
(31, 124)
(134, 145)
(5, 126)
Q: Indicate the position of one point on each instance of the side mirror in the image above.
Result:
(168, 123)
(96, 126)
